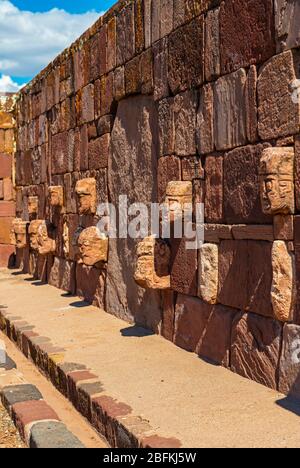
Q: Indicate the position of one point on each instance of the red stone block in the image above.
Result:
(6, 230)
(125, 37)
(62, 275)
(184, 266)
(5, 165)
(168, 320)
(169, 170)
(31, 411)
(99, 152)
(214, 211)
(90, 284)
(61, 154)
(246, 33)
(7, 209)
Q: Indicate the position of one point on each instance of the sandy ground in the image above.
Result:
(9, 436)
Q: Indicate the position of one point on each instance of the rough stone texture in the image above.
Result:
(246, 33)
(205, 121)
(253, 232)
(168, 314)
(90, 284)
(282, 292)
(203, 328)
(212, 42)
(287, 18)
(160, 51)
(185, 106)
(251, 105)
(230, 110)
(245, 275)
(186, 69)
(278, 113)
(125, 35)
(184, 266)
(169, 169)
(45, 435)
(241, 186)
(297, 172)
(214, 174)
(284, 227)
(62, 275)
(255, 349)
(166, 124)
(132, 170)
(208, 270)
(289, 369)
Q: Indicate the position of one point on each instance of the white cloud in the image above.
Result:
(29, 41)
(7, 85)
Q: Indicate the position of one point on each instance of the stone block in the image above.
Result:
(287, 18)
(212, 49)
(289, 369)
(46, 435)
(208, 273)
(169, 169)
(185, 107)
(214, 177)
(205, 121)
(62, 275)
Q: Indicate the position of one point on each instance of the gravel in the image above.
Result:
(9, 436)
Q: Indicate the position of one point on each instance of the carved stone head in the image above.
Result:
(20, 233)
(33, 205)
(33, 233)
(178, 194)
(153, 263)
(86, 193)
(45, 239)
(56, 196)
(276, 174)
(93, 246)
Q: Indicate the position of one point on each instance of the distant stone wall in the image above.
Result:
(7, 196)
(203, 92)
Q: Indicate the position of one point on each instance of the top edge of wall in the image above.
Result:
(77, 44)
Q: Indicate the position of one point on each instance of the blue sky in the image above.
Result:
(33, 32)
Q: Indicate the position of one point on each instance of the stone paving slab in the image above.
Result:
(149, 393)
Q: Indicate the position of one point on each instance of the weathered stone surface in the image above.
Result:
(230, 110)
(169, 169)
(18, 393)
(205, 121)
(125, 41)
(255, 348)
(52, 434)
(212, 49)
(283, 283)
(192, 168)
(184, 266)
(216, 232)
(251, 105)
(99, 152)
(185, 106)
(61, 154)
(203, 328)
(246, 33)
(168, 314)
(62, 275)
(276, 172)
(289, 369)
(186, 56)
(253, 232)
(132, 171)
(284, 227)
(208, 271)
(86, 192)
(241, 186)
(166, 124)
(160, 52)
(245, 276)
(278, 103)
(287, 19)
(214, 177)
(297, 172)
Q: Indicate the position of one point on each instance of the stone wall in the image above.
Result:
(7, 196)
(195, 91)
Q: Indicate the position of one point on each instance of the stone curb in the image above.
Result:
(112, 419)
(38, 424)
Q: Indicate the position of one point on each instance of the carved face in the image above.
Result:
(20, 233)
(66, 245)
(86, 192)
(46, 244)
(33, 233)
(93, 246)
(277, 181)
(56, 196)
(33, 205)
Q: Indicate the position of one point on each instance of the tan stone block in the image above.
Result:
(208, 270)
(86, 193)
(283, 284)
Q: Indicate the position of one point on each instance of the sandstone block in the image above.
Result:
(255, 348)
(284, 227)
(62, 275)
(125, 37)
(214, 177)
(166, 122)
(246, 33)
(185, 106)
(160, 52)
(289, 368)
(287, 18)
(205, 121)
(169, 169)
(212, 41)
(283, 283)
(278, 103)
(208, 271)
(230, 110)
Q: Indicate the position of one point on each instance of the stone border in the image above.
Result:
(112, 419)
(38, 424)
